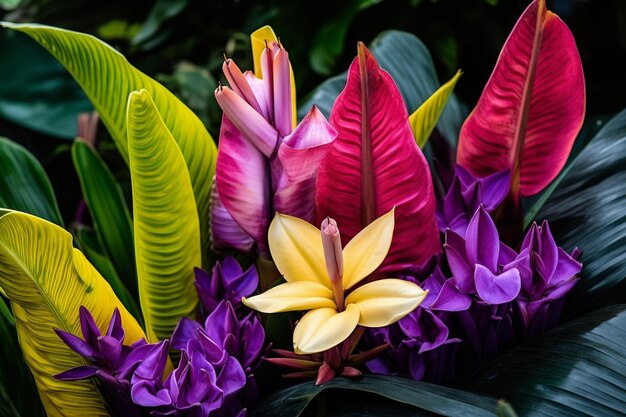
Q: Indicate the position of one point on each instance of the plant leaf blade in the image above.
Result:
(532, 106)
(166, 227)
(47, 280)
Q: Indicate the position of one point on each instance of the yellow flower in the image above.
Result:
(317, 279)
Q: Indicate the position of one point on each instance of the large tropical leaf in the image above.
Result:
(425, 118)
(410, 65)
(24, 185)
(167, 233)
(362, 177)
(91, 247)
(108, 79)
(111, 218)
(16, 382)
(400, 396)
(575, 370)
(586, 210)
(40, 95)
(47, 280)
(531, 108)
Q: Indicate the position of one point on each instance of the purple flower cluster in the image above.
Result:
(498, 296)
(227, 281)
(214, 376)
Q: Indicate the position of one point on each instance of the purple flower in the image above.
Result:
(477, 261)
(466, 194)
(421, 346)
(547, 274)
(112, 362)
(215, 373)
(202, 384)
(480, 269)
(228, 281)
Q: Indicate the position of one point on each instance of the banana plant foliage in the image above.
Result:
(108, 78)
(47, 280)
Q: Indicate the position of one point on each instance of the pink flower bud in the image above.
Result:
(331, 242)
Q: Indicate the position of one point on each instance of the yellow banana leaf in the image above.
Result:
(108, 78)
(257, 40)
(425, 118)
(47, 280)
(166, 228)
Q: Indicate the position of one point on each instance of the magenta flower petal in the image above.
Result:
(243, 182)
(239, 84)
(281, 80)
(496, 289)
(251, 124)
(225, 232)
(302, 151)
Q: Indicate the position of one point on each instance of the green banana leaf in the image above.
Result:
(368, 393)
(166, 229)
(24, 185)
(108, 209)
(575, 370)
(108, 78)
(41, 95)
(90, 245)
(47, 280)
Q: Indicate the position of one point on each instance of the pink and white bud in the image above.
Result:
(239, 84)
(331, 242)
(247, 120)
(282, 92)
(267, 72)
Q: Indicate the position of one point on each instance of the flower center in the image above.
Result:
(333, 255)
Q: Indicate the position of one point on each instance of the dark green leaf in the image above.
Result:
(161, 12)
(17, 388)
(5, 312)
(108, 210)
(90, 245)
(329, 40)
(577, 369)
(24, 185)
(421, 396)
(41, 96)
(587, 210)
(409, 63)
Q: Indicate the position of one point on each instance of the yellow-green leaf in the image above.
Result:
(424, 119)
(166, 228)
(108, 78)
(47, 280)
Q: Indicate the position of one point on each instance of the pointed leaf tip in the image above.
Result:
(531, 108)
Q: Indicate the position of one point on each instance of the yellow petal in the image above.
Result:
(367, 250)
(257, 40)
(425, 118)
(324, 328)
(296, 248)
(385, 301)
(292, 296)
